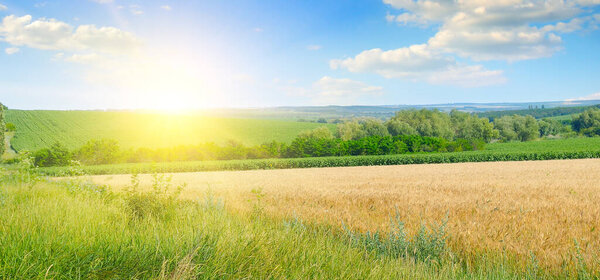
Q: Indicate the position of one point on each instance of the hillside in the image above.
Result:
(133, 129)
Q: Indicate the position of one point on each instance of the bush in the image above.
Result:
(588, 122)
(56, 155)
(159, 203)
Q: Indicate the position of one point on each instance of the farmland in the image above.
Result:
(135, 129)
(518, 211)
(572, 148)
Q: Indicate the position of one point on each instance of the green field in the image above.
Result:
(571, 148)
(135, 129)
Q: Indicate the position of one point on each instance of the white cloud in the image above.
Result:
(329, 90)
(50, 34)
(136, 10)
(595, 96)
(3, 8)
(475, 30)
(103, 1)
(495, 30)
(313, 47)
(419, 63)
(10, 51)
(328, 86)
(166, 7)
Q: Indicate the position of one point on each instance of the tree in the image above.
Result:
(432, 123)
(470, 127)
(588, 122)
(56, 155)
(397, 127)
(521, 128)
(2, 130)
(549, 127)
(350, 130)
(321, 132)
(103, 151)
(374, 127)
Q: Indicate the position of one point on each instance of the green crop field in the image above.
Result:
(134, 129)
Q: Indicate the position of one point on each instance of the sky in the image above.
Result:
(174, 55)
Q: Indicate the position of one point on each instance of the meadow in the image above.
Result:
(542, 213)
(136, 129)
(570, 148)
(296, 224)
(75, 229)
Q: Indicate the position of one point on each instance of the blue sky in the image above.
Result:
(167, 54)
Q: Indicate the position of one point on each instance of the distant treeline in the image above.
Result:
(409, 131)
(538, 113)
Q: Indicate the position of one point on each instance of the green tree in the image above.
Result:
(2, 130)
(588, 122)
(374, 127)
(397, 127)
(56, 155)
(521, 128)
(432, 123)
(350, 130)
(321, 132)
(103, 151)
(470, 127)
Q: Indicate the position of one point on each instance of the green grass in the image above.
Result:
(75, 230)
(136, 129)
(571, 148)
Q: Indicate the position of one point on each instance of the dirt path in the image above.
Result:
(10, 152)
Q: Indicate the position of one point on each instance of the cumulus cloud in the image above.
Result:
(166, 7)
(3, 8)
(103, 1)
(10, 51)
(476, 30)
(495, 30)
(419, 63)
(51, 34)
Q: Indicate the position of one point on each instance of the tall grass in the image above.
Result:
(76, 230)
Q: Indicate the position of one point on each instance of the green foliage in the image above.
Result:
(374, 127)
(538, 113)
(588, 122)
(468, 126)
(431, 123)
(571, 148)
(428, 245)
(521, 128)
(11, 127)
(2, 130)
(103, 151)
(350, 130)
(56, 155)
(160, 203)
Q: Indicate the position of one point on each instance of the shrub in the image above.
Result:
(160, 203)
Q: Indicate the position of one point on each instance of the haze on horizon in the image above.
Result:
(175, 55)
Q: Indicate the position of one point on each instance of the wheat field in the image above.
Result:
(548, 210)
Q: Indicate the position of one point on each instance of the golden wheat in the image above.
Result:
(519, 208)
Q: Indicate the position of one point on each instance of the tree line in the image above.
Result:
(409, 131)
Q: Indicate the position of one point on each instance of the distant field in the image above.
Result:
(572, 148)
(39, 129)
(535, 209)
